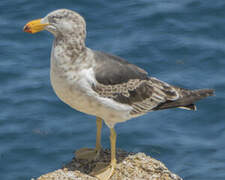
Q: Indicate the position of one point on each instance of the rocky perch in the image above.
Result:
(130, 167)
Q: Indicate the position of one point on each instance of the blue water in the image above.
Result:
(180, 42)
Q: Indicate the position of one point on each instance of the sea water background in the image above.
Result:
(180, 42)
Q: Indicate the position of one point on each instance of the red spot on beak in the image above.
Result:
(27, 29)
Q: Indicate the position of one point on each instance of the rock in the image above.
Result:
(130, 167)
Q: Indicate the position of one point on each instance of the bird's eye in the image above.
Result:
(56, 17)
(53, 19)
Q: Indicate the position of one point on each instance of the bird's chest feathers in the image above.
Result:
(72, 84)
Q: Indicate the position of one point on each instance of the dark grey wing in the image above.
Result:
(128, 84)
(111, 70)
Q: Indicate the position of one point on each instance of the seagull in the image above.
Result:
(103, 85)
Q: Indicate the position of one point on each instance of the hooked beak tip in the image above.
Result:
(27, 29)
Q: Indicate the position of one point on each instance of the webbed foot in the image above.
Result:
(103, 172)
(88, 153)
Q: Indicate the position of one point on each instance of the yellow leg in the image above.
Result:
(106, 173)
(98, 134)
(89, 153)
(113, 146)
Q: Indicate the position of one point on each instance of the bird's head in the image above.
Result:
(59, 22)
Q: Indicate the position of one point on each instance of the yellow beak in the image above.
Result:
(34, 26)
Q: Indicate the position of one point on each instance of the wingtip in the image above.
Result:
(210, 92)
(205, 92)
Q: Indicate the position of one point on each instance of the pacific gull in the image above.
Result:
(103, 85)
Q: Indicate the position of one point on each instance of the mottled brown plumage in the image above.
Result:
(128, 84)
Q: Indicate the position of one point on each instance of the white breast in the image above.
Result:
(71, 91)
(74, 87)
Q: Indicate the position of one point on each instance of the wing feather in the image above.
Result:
(111, 70)
(142, 95)
(128, 84)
